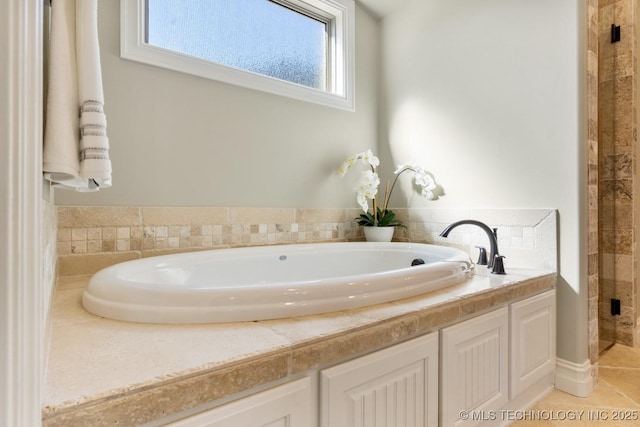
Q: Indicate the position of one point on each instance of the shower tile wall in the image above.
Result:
(592, 178)
(617, 142)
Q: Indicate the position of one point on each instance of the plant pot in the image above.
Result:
(378, 234)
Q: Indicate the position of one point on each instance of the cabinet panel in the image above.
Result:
(532, 340)
(288, 405)
(474, 368)
(395, 387)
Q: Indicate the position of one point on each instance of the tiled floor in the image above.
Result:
(615, 397)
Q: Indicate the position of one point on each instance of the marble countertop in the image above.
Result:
(102, 372)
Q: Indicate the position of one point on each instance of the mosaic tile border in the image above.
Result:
(91, 238)
(93, 230)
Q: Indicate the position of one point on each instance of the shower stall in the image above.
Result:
(617, 224)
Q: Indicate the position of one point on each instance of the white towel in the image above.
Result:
(76, 147)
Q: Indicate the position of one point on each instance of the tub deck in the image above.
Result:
(102, 371)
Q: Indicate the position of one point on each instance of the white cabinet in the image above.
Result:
(499, 360)
(287, 405)
(394, 387)
(532, 341)
(474, 373)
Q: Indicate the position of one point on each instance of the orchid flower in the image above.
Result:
(420, 177)
(367, 188)
(367, 157)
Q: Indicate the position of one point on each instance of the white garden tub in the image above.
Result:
(269, 282)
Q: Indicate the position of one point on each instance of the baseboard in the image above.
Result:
(574, 378)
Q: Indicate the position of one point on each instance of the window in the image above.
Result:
(297, 48)
(254, 35)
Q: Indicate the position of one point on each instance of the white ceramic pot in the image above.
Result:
(378, 234)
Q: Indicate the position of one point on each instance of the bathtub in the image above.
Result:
(269, 282)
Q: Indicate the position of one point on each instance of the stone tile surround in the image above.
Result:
(617, 178)
(526, 237)
(593, 24)
(92, 237)
(190, 368)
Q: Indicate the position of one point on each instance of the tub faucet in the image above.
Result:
(496, 267)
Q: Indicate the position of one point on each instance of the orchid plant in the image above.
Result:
(367, 189)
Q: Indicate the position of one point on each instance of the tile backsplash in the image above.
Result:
(91, 238)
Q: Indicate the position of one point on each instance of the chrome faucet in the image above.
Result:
(495, 259)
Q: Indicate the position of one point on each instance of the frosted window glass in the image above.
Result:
(255, 35)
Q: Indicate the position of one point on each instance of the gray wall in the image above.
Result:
(490, 96)
(180, 140)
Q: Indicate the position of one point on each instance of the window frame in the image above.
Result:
(340, 79)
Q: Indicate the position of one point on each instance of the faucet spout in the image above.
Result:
(493, 240)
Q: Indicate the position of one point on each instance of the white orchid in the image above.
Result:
(421, 178)
(367, 188)
(367, 157)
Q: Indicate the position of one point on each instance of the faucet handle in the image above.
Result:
(498, 265)
(482, 256)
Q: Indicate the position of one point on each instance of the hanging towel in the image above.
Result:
(76, 147)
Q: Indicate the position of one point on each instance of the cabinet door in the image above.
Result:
(474, 369)
(288, 405)
(533, 342)
(394, 387)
